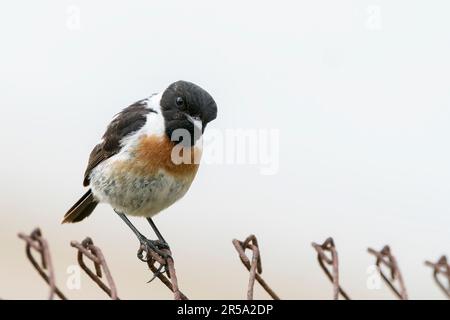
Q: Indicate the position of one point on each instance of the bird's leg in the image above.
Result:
(163, 243)
(154, 245)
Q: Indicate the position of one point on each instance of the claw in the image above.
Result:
(158, 273)
(140, 255)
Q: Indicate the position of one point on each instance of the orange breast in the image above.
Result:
(154, 153)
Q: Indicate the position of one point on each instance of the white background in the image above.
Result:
(359, 91)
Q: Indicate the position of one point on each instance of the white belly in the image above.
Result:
(136, 195)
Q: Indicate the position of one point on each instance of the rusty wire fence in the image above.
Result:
(164, 268)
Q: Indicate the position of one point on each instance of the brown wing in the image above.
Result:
(130, 120)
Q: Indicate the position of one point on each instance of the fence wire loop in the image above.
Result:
(323, 249)
(36, 242)
(385, 258)
(254, 267)
(441, 268)
(168, 277)
(87, 249)
(162, 266)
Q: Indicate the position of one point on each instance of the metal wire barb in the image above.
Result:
(385, 258)
(170, 281)
(87, 249)
(39, 244)
(254, 267)
(441, 268)
(333, 261)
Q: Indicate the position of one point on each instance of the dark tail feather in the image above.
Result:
(81, 209)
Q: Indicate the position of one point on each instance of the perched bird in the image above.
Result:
(148, 157)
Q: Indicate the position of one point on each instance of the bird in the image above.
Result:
(148, 158)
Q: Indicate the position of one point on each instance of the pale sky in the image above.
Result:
(357, 91)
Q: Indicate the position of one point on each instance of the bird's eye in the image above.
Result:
(179, 101)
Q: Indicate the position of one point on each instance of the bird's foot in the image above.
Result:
(161, 244)
(157, 246)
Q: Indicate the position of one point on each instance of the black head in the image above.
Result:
(185, 105)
